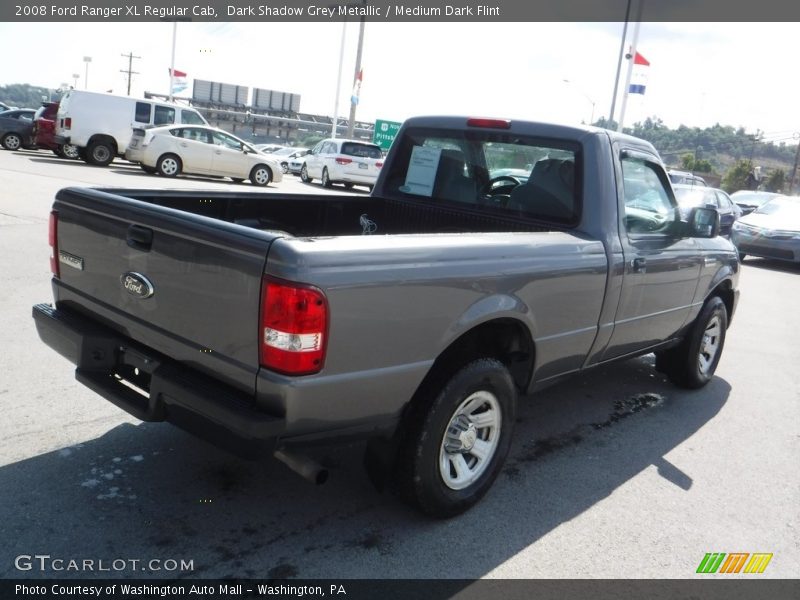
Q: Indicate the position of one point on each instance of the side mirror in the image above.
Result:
(703, 222)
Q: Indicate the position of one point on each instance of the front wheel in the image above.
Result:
(304, 175)
(69, 151)
(261, 175)
(692, 364)
(12, 141)
(457, 438)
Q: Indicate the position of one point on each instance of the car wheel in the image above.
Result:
(57, 151)
(12, 141)
(261, 175)
(100, 153)
(326, 180)
(304, 175)
(457, 436)
(285, 168)
(146, 169)
(169, 165)
(692, 363)
(69, 151)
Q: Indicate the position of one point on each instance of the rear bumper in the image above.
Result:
(169, 391)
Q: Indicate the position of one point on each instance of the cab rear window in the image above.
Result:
(361, 150)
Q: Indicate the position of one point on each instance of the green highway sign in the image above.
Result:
(385, 132)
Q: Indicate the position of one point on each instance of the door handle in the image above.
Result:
(140, 237)
(639, 265)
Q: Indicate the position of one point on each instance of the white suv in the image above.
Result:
(351, 162)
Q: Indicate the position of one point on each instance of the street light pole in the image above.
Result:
(351, 123)
(334, 127)
(75, 76)
(87, 60)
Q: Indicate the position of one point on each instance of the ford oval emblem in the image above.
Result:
(137, 284)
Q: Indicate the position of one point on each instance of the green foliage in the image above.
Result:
(776, 181)
(736, 178)
(24, 95)
(703, 166)
(687, 162)
(310, 140)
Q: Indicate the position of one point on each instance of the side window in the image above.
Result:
(220, 139)
(648, 207)
(190, 117)
(164, 115)
(723, 201)
(142, 112)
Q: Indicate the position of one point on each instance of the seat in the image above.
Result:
(549, 192)
(452, 182)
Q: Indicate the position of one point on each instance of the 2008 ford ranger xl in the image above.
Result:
(492, 258)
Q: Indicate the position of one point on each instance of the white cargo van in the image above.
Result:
(101, 125)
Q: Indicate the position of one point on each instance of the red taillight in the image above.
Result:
(341, 160)
(68, 123)
(489, 123)
(378, 165)
(294, 328)
(52, 238)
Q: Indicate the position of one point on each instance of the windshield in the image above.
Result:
(787, 207)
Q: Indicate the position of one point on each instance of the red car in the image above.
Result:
(44, 126)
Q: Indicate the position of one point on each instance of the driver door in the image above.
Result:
(662, 267)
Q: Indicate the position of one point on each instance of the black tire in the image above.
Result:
(100, 153)
(57, 151)
(285, 167)
(146, 169)
(11, 141)
(326, 180)
(304, 175)
(438, 468)
(169, 165)
(83, 155)
(692, 364)
(261, 175)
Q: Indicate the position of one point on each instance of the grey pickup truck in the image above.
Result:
(493, 257)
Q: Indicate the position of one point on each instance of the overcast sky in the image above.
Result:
(736, 74)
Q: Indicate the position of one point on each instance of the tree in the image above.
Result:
(736, 177)
(687, 162)
(776, 181)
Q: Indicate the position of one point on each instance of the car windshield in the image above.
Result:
(693, 196)
(361, 150)
(788, 207)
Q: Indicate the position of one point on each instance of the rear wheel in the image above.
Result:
(169, 165)
(69, 151)
(100, 153)
(11, 141)
(692, 364)
(261, 175)
(456, 439)
(304, 175)
(326, 180)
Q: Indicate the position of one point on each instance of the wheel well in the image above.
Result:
(725, 291)
(105, 139)
(507, 340)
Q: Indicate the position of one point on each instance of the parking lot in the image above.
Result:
(613, 474)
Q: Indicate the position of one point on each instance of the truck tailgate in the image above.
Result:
(185, 285)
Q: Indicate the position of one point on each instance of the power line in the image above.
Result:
(129, 70)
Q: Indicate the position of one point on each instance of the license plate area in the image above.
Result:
(363, 166)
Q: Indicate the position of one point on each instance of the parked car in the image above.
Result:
(689, 196)
(685, 178)
(749, 200)
(284, 155)
(296, 164)
(100, 125)
(44, 131)
(200, 150)
(351, 162)
(772, 231)
(4, 107)
(16, 128)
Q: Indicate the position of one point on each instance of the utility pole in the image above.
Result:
(130, 70)
(351, 123)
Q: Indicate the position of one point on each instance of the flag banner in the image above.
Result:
(357, 87)
(639, 74)
(178, 80)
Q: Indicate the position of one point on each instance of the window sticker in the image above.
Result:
(422, 171)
